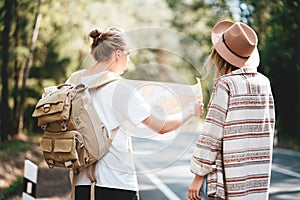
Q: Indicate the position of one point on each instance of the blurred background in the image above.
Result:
(44, 41)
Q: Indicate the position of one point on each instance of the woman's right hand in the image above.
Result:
(198, 108)
(174, 121)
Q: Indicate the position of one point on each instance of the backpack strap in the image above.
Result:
(90, 172)
(91, 175)
(105, 78)
(74, 180)
(75, 77)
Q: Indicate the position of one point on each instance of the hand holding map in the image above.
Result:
(164, 99)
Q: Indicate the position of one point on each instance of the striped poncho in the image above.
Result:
(235, 147)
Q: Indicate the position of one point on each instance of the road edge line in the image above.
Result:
(285, 171)
(157, 182)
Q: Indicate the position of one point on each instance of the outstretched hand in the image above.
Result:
(198, 108)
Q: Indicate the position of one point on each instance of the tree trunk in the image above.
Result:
(5, 111)
(17, 68)
(28, 66)
(298, 67)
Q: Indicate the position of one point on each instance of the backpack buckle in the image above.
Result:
(73, 94)
(46, 108)
(51, 163)
(68, 164)
(44, 126)
(63, 126)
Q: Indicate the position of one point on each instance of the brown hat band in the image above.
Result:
(232, 50)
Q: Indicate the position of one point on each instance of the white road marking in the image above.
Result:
(157, 182)
(275, 168)
(282, 151)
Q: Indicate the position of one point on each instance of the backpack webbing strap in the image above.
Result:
(114, 133)
(73, 185)
(92, 177)
(91, 174)
(103, 79)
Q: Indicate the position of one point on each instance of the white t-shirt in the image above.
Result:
(115, 104)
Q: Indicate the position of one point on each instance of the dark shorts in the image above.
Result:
(82, 192)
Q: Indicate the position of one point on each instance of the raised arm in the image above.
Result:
(174, 121)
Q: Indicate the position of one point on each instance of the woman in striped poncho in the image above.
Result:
(233, 155)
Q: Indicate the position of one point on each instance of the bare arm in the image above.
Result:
(174, 121)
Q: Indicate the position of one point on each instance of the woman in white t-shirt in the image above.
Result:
(116, 103)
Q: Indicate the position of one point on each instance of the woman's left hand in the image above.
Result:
(194, 189)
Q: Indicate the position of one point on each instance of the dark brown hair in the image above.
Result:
(105, 43)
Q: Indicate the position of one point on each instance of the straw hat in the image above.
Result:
(236, 43)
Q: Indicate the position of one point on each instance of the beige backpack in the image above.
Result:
(74, 136)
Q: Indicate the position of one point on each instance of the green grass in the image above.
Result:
(12, 148)
(289, 142)
(15, 188)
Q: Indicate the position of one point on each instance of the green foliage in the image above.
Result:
(53, 66)
(289, 142)
(283, 64)
(278, 26)
(15, 188)
(63, 44)
(281, 50)
(195, 18)
(13, 147)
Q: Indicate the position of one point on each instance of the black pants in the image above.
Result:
(82, 192)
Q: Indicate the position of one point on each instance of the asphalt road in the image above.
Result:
(163, 169)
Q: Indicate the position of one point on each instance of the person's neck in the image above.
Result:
(101, 67)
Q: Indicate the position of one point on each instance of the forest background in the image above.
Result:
(44, 41)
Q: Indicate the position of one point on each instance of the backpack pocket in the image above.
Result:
(61, 149)
(55, 107)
